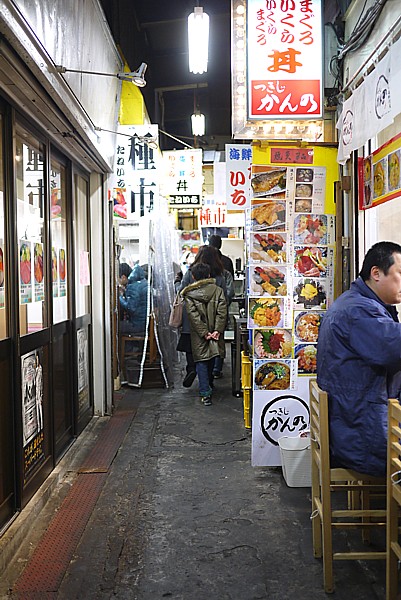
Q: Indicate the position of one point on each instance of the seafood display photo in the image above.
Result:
(394, 170)
(304, 175)
(265, 312)
(310, 261)
(272, 376)
(379, 178)
(306, 356)
(269, 215)
(307, 324)
(272, 343)
(266, 183)
(267, 280)
(269, 247)
(309, 293)
(310, 229)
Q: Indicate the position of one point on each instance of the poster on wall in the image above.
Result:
(278, 413)
(380, 175)
(83, 370)
(32, 410)
(38, 272)
(25, 271)
(62, 271)
(290, 284)
(1, 275)
(55, 272)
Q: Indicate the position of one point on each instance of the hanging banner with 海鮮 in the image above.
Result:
(238, 176)
(284, 59)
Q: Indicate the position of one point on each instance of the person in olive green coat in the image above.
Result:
(207, 312)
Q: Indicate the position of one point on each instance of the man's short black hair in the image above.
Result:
(380, 255)
(200, 271)
(124, 269)
(215, 241)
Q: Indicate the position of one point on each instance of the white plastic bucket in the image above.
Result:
(296, 460)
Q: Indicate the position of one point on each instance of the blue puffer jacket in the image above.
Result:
(359, 365)
(136, 299)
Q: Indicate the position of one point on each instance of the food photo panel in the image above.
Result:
(268, 312)
(272, 343)
(274, 375)
(312, 293)
(270, 214)
(306, 325)
(269, 247)
(306, 357)
(268, 181)
(268, 280)
(314, 229)
(313, 261)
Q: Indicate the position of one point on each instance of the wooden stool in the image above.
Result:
(325, 480)
(393, 498)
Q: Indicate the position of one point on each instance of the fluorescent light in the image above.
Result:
(198, 124)
(198, 40)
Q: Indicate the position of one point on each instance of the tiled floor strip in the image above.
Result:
(44, 572)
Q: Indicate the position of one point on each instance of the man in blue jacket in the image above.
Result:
(359, 361)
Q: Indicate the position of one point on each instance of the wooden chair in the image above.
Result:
(151, 350)
(393, 499)
(358, 490)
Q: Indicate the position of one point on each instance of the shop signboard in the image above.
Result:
(182, 177)
(135, 182)
(238, 176)
(290, 285)
(284, 59)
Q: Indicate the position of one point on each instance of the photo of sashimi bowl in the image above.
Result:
(306, 355)
(267, 281)
(310, 229)
(265, 312)
(307, 325)
(38, 263)
(310, 261)
(272, 376)
(272, 343)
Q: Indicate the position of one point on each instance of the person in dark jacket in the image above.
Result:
(359, 361)
(135, 301)
(215, 241)
(207, 312)
(206, 255)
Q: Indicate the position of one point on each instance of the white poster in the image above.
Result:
(278, 413)
(182, 177)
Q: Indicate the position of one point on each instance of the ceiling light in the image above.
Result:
(136, 77)
(198, 124)
(198, 40)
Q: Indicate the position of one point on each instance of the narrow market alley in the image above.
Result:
(161, 501)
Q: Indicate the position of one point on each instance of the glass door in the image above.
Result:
(82, 282)
(7, 440)
(61, 319)
(33, 301)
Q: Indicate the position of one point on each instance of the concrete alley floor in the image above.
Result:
(183, 515)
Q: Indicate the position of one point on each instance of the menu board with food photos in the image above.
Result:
(380, 174)
(290, 285)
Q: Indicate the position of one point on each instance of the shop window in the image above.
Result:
(3, 282)
(29, 166)
(81, 241)
(58, 226)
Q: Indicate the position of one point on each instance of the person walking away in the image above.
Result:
(359, 361)
(207, 255)
(207, 313)
(215, 242)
